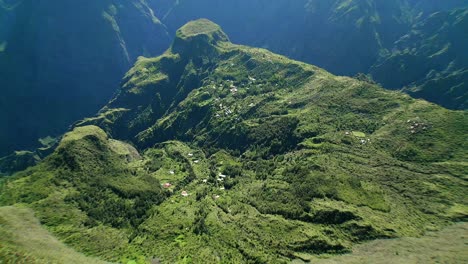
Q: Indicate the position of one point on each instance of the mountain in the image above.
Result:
(215, 152)
(62, 60)
(319, 32)
(431, 60)
(348, 37)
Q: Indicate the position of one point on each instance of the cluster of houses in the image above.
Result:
(415, 126)
(233, 89)
(226, 110)
(365, 141)
(220, 178)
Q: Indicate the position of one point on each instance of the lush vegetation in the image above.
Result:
(215, 152)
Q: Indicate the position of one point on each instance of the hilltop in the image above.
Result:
(219, 152)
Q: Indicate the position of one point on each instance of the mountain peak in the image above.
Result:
(198, 35)
(202, 27)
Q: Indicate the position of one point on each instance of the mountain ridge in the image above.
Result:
(59, 82)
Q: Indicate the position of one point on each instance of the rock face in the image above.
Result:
(263, 159)
(62, 60)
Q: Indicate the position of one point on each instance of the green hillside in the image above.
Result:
(221, 153)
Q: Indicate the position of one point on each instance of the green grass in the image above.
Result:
(359, 134)
(82, 132)
(198, 27)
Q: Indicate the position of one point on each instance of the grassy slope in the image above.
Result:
(296, 183)
(24, 240)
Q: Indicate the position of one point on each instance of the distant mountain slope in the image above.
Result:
(431, 61)
(245, 156)
(61, 60)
